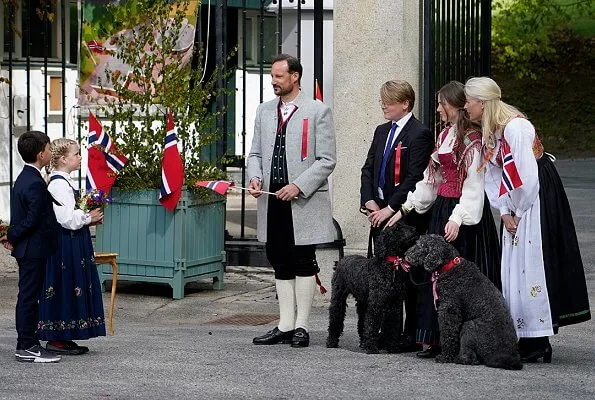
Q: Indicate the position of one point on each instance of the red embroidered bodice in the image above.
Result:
(449, 187)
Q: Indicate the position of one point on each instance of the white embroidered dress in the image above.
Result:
(523, 274)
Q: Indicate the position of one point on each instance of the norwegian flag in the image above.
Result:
(217, 186)
(510, 176)
(172, 169)
(95, 46)
(318, 92)
(104, 160)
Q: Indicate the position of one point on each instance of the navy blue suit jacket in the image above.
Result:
(33, 230)
(418, 144)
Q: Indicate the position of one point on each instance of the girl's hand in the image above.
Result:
(96, 216)
(451, 231)
(395, 218)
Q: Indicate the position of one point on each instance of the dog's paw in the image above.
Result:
(332, 343)
(443, 358)
(466, 360)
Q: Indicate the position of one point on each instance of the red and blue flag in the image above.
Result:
(172, 169)
(104, 160)
(510, 175)
(216, 186)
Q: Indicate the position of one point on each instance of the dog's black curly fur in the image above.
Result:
(475, 325)
(378, 289)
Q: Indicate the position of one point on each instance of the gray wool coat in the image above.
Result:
(312, 211)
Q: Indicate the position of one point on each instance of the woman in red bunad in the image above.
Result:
(543, 280)
(454, 185)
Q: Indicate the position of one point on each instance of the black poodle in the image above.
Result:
(378, 285)
(475, 325)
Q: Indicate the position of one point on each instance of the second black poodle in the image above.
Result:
(378, 285)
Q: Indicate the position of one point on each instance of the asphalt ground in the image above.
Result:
(201, 346)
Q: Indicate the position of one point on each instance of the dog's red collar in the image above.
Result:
(449, 265)
(398, 262)
(446, 267)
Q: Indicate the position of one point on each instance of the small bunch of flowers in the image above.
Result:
(93, 199)
(3, 229)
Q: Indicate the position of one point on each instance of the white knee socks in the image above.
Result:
(304, 296)
(286, 297)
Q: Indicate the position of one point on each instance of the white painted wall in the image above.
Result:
(19, 87)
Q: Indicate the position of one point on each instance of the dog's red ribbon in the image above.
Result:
(398, 262)
(436, 274)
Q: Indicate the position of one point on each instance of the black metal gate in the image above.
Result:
(457, 43)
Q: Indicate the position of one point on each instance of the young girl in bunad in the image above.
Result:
(71, 305)
(543, 280)
(454, 186)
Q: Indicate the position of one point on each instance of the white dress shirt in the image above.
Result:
(67, 214)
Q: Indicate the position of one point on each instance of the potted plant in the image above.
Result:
(141, 72)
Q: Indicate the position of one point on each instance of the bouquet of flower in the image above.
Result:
(3, 229)
(93, 199)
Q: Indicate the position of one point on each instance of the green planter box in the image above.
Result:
(155, 245)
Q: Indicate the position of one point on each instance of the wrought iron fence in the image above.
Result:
(457, 45)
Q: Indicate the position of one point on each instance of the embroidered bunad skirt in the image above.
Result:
(478, 243)
(71, 304)
(558, 263)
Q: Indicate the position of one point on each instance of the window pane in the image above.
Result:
(35, 29)
(6, 31)
(250, 38)
(74, 33)
(270, 39)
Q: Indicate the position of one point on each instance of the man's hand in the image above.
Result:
(288, 192)
(378, 217)
(510, 223)
(371, 206)
(254, 188)
(451, 231)
(395, 218)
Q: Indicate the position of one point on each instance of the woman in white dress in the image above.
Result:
(543, 279)
(452, 191)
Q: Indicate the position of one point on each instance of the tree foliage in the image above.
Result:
(522, 31)
(160, 80)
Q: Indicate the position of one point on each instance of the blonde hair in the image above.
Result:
(59, 148)
(496, 113)
(397, 92)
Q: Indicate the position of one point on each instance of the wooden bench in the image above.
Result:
(110, 258)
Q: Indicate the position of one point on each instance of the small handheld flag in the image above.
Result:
(217, 186)
(510, 175)
(172, 169)
(222, 186)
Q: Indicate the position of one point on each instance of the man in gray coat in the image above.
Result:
(292, 155)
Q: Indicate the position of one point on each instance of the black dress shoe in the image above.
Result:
(273, 337)
(409, 347)
(535, 355)
(430, 352)
(300, 338)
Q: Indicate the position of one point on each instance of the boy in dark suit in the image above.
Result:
(396, 161)
(32, 237)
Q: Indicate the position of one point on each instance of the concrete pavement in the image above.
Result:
(200, 347)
